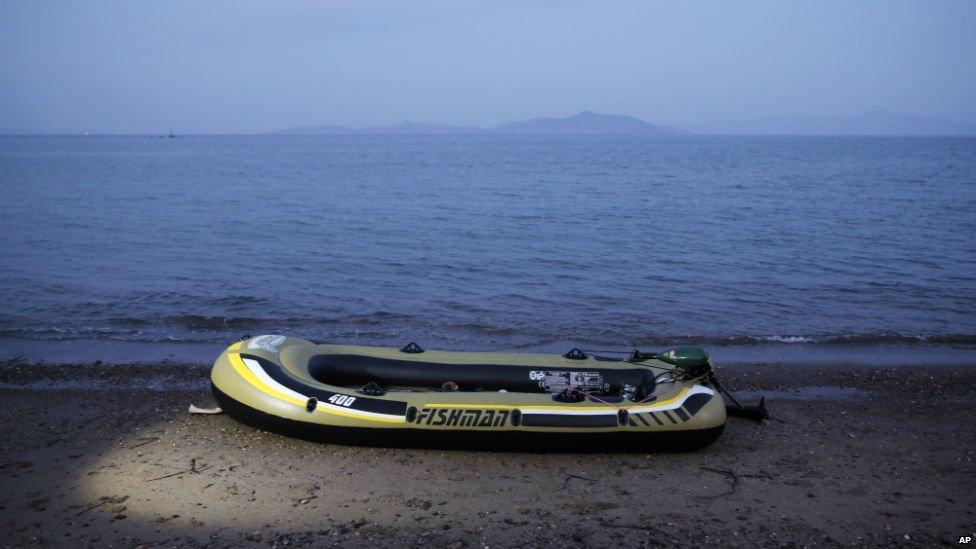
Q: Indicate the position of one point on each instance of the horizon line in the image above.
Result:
(684, 134)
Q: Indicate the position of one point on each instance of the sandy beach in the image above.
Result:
(532, 225)
(100, 455)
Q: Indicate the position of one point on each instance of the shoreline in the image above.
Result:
(123, 465)
(805, 354)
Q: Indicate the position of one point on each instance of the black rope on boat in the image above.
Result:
(756, 412)
(570, 394)
(664, 368)
(623, 406)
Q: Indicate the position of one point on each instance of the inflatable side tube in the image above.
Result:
(617, 441)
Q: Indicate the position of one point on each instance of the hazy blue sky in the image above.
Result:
(241, 66)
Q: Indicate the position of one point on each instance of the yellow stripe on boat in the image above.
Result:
(245, 372)
(324, 407)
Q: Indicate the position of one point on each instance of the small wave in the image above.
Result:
(871, 339)
(232, 300)
(383, 325)
(372, 319)
(458, 306)
(202, 322)
(791, 339)
(827, 339)
(129, 321)
(479, 328)
(151, 384)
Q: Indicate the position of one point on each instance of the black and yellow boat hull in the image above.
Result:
(396, 397)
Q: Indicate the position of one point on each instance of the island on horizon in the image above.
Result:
(582, 123)
(870, 123)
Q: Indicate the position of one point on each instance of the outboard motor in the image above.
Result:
(693, 361)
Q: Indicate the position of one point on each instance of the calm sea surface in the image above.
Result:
(490, 242)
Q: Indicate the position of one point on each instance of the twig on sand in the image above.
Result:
(646, 527)
(193, 469)
(733, 477)
(571, 477)
(102, 501)
(90, 507)
(145, 441)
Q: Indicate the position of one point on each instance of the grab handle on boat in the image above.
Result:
(372, 389)
(411, 348)
(575, 354)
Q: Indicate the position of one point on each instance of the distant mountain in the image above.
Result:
(584, 123)
(869, 123)
(420, 128)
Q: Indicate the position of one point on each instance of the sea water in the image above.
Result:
(141, 243)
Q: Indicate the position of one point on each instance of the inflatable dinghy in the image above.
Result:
(412, 397)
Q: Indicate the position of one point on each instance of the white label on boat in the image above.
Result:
(557, 381)
(342, 400)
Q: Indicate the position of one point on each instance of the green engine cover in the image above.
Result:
(684, 357)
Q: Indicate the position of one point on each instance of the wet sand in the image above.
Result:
(92, 457)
